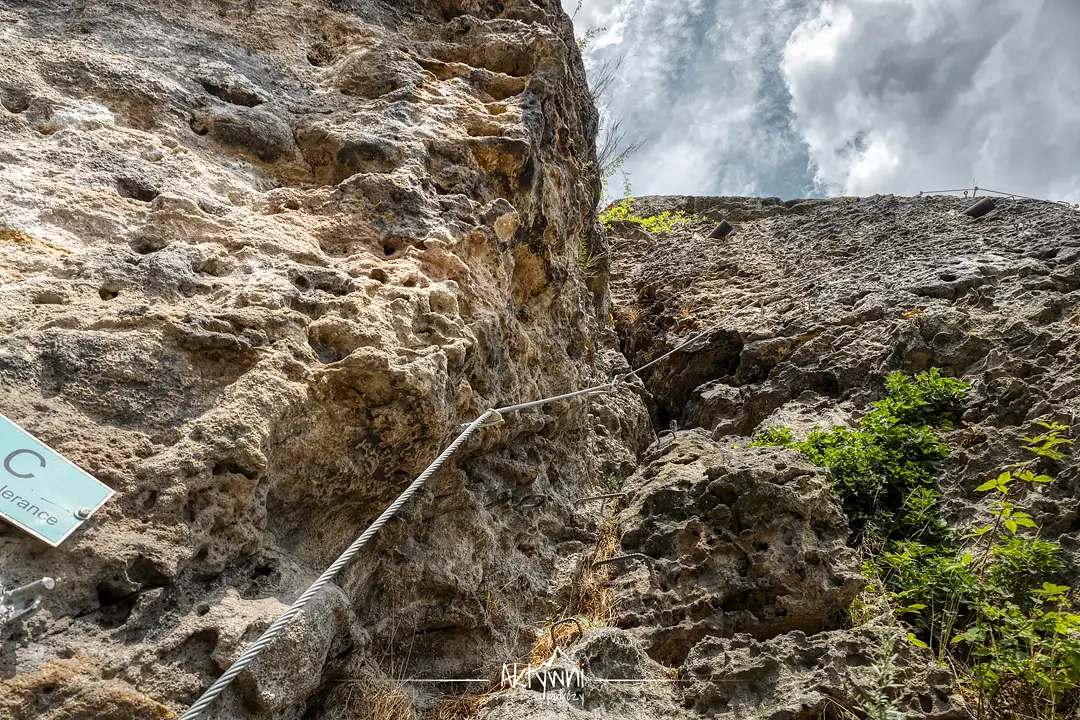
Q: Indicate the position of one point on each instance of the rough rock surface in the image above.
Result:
(259, 260)
(737, 542)
(796, 677)
(844, 291)
(604, 653)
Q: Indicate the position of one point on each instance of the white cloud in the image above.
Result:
(778, 97)
(907, 95)
(701, 80)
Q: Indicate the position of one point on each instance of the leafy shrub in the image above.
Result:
(882, 470)
(623, 211)
(988, 600)
(776, 436)
(993, 606)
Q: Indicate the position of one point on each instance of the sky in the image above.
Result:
(810, 98)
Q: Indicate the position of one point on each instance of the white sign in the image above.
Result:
(42, 492)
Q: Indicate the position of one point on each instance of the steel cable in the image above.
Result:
(275, 629)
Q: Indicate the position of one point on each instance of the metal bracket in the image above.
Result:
(495, 419)
(531, 501)
(605, 496)
(22, 601)
(617, 558)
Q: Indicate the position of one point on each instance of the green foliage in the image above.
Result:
(776, 436)
(988, 600)
(623, 211)
(589, 262)
(993, 606)
(927, 399)
(882, 694)
(930, 586)
(882, 470)
(588, 37)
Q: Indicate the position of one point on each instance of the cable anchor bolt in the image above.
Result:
(22, 601)
(495, 419)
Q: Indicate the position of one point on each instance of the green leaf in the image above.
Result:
(988, 485)
(1050, 589)
(916, 641)
(1010, 525)
(1042, 479)
(966, 560)
(1024, 520)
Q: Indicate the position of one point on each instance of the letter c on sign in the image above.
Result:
(9, 458)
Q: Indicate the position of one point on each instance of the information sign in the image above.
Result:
(42, 492)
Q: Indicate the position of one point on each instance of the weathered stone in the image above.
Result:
(737, 542)
(261, 259)
(604, 654)
(800, 677)
(259, 262)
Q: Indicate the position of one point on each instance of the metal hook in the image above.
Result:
(617, 558)
(557, 623)
(531, 501)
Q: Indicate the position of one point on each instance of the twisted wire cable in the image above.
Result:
(255, 649)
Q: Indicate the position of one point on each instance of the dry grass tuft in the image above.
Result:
(380, 699)
(597, 600)
(593, 601)
(457, 707)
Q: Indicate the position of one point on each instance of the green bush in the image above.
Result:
(882, 470)
(992, 604)
(988, 599)
(623, 211)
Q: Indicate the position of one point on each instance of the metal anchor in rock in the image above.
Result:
(20, 602)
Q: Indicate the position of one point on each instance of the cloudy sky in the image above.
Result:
(802, 98)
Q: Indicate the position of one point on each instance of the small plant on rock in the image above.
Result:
(988, 601)
(881, 470)
(880, 696)
(589, 262)
(623, 211)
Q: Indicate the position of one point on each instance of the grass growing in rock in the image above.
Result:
(592, 600)
(623, 211)
(985, 599)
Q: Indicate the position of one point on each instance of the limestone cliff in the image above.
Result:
(260, 259)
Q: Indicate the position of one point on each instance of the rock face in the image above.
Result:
(795, 676)
(737, 542)
(260, 260)
(826, 296)
(823, 298)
